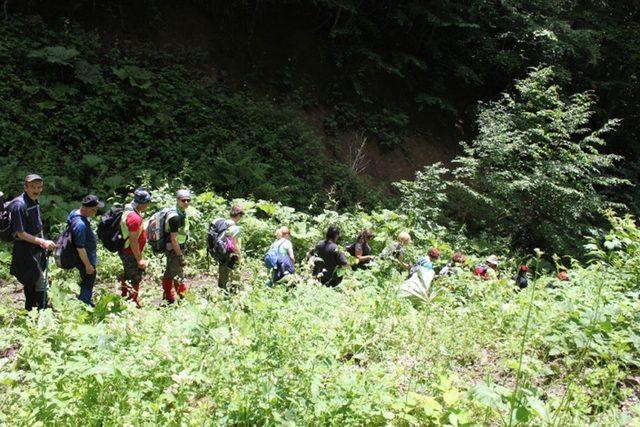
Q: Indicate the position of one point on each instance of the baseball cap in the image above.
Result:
(32, 177)
(183, 194)
(141, 196)
(91, 201)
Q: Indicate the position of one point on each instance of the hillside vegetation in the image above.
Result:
(92, 118)
(536, 185)
(477, 352)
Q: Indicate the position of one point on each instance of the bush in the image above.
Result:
(310, 355)
(90, 119)
(424, 198)
(534, 173)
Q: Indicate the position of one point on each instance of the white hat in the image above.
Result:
(183, 194)
(492, 259)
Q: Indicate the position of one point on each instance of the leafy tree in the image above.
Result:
(534, 173)
(424, 198)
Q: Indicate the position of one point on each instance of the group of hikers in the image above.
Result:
(123, 230)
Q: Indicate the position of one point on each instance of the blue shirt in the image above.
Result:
(83, 236)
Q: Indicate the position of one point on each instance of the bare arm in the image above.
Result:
(135, 248)
(175, 245)
(236, 246)
(43, 243)
(133, 243)
(82, 253)
(361, 257)
(290, 251)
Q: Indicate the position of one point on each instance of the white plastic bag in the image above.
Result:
(418, 285)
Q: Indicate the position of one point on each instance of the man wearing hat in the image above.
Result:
(488, 270)
(492, 266)
(177, 226)
(84, 239)
(135, 239)
(29, 250)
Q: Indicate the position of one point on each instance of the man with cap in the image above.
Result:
(177, 227)
(135, 237)
(84, 239)
(492, 266)
(488, 271)
(29, 250)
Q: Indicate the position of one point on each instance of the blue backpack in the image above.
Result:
(271, 257)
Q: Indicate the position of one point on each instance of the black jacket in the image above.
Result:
(331, 259)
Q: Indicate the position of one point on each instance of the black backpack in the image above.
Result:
(66, 254)
(6, 233)
(216, 242)
(351, 249)
(109, 231)
(521, 281)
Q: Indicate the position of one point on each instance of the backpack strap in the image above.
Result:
(69, 225)
(124, 230)
(170, 214)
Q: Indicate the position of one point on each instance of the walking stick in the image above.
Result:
(46, 280)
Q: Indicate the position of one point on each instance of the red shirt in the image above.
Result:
(134, 224)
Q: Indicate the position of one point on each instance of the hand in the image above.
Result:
(142, 264)
(183, 261)
(90, 269)
(47, 245)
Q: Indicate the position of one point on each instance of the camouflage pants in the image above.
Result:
(132, 273)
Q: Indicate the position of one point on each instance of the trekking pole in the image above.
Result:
(46, 280)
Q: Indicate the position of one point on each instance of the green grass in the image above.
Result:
(311, 355)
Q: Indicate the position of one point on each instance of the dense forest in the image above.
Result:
(228, 84)
(478, 126)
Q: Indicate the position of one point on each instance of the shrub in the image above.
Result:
(534, 173)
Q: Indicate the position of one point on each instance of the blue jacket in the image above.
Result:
(83, 236)
(284, 267)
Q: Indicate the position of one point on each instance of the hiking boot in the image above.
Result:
(167, 291)
(134, 295)
(181, 288)
(124, 288)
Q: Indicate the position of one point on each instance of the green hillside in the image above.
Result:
(476, 352)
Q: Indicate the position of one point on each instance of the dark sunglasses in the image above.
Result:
(185, 200)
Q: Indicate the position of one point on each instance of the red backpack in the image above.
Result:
(481, 271)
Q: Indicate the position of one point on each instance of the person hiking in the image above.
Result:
(85, 242)
(232, 235)
(520, 279)
(177, 227)
(488, 270)
(562, 276)
(28, 260)
(282, 249)
(133, 263)
(361, 249)
(328, 258)
(453, 266)
(420, 277)
(396, 250)
(433, 254)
